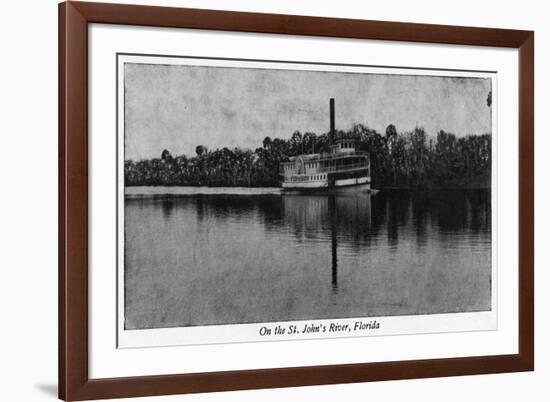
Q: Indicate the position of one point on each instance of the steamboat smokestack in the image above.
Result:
(332, 133)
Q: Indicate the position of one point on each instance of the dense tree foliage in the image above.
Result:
(407, 159)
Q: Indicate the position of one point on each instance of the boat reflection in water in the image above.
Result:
(322, 217)
(223, 259)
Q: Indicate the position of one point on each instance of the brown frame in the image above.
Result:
(74, 17)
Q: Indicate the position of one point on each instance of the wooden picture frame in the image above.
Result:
(74, 381)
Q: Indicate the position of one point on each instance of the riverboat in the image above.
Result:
(341, 168)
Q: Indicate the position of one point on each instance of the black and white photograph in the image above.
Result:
(275, 200)
(255, 192)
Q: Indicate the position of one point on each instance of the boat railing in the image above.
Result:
(351, 166)
(328, 169)
(328, 157)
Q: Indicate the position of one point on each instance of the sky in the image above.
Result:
(178, 107)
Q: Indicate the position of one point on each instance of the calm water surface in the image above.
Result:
(221, 259)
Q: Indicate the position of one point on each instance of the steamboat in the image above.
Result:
(341, 169)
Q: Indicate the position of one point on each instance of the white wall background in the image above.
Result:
(28, 201)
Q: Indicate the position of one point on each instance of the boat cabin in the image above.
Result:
(344, 145)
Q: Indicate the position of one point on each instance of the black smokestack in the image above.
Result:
(332, 133)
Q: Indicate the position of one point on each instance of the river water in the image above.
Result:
(196, 259)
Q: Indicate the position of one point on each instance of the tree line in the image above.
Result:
(409, 159)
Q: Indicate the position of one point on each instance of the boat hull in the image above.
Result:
(359, 184)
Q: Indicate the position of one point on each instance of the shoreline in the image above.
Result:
(145, 192)
(183, 191)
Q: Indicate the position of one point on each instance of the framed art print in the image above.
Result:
(259, 200)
